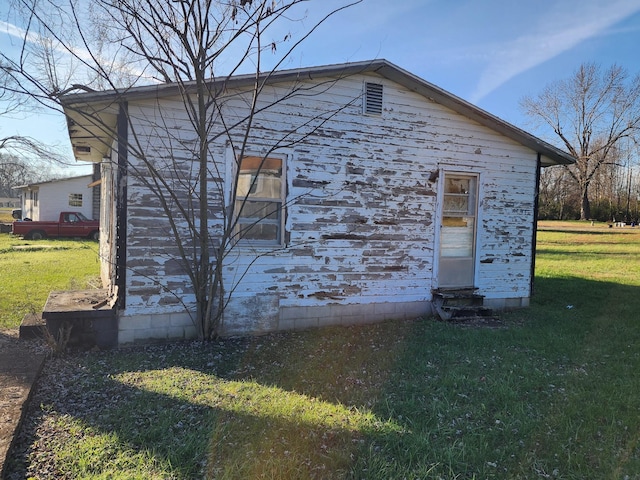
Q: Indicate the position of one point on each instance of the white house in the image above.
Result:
(43, 201)
(401, 191)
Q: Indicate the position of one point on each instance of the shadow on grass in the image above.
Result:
(185, 409)
(545, 394)
(415, 399)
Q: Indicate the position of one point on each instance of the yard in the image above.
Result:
(30, 269)
(552, 394)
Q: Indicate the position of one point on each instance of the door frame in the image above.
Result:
(439, 220)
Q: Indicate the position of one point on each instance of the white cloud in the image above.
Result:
(14, 31)
(554, 32)
(35, 38)
(67, 52)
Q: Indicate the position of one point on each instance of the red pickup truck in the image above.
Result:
(71, 224)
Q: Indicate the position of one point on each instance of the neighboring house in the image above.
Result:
(403, 190)
(43, 201)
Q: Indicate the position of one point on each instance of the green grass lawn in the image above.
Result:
(552, 395)
(30, 269)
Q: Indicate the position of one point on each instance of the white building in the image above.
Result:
(393, 190)
(43, 201)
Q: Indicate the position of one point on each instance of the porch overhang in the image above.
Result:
(92, 129)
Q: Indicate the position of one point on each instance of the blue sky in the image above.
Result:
(489, 52)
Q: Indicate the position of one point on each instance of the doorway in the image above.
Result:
(458, 231)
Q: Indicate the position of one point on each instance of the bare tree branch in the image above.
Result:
(119, 44)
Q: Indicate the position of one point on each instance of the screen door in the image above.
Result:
(458, 231)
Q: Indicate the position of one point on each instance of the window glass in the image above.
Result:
(458, 196)
(259, 199)
(75, 199)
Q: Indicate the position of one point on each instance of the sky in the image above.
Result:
(491, 53)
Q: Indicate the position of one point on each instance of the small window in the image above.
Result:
(459, 196)
(373, 98)
(260, 200)
(75, 199)
(71, 218)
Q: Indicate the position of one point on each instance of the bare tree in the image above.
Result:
(558, 198)
(18, 170)
(589, 113)
(24, 150)
(22, 159)
(181, 42)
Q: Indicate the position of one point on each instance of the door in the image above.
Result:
(458, 231)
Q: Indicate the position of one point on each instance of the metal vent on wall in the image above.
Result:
(373, 99)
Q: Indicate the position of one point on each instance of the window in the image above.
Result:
(260, 200)
(74, 217)
(373, 98)
(458, 216)
(75, 199)
(459, 196)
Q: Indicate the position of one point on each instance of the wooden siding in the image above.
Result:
(362, 218)
(108, 225)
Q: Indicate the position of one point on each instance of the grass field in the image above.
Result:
(30, 269)
(552, 395)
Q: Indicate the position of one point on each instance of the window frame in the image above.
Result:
(240, 201)
(75, 200)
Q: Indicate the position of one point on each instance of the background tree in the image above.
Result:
(590, 113)
(558, 195)
(117, 44)
(23, 159)
(17, 170)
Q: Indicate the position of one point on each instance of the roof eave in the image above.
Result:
(551, 155)
(555, 155)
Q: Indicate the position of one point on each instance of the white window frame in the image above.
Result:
(75, 199)
(233, 166)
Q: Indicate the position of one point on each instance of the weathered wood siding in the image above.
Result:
(108, 223)
(362, 214)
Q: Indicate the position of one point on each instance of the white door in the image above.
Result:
(458, 231)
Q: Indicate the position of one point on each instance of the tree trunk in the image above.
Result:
(585, 207)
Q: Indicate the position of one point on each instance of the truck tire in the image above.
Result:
(37, 235)
(95, 235)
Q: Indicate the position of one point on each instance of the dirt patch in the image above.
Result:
(20, 364)
(32, 247)
(478, 322)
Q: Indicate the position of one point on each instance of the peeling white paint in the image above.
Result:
(362, 216)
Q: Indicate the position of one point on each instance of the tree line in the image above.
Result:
(595, 116)
(614, 192)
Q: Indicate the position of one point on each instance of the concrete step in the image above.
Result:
(32, 326)
(457, 305)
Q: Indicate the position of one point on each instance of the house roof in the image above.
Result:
(55, 180)
(92, 134)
